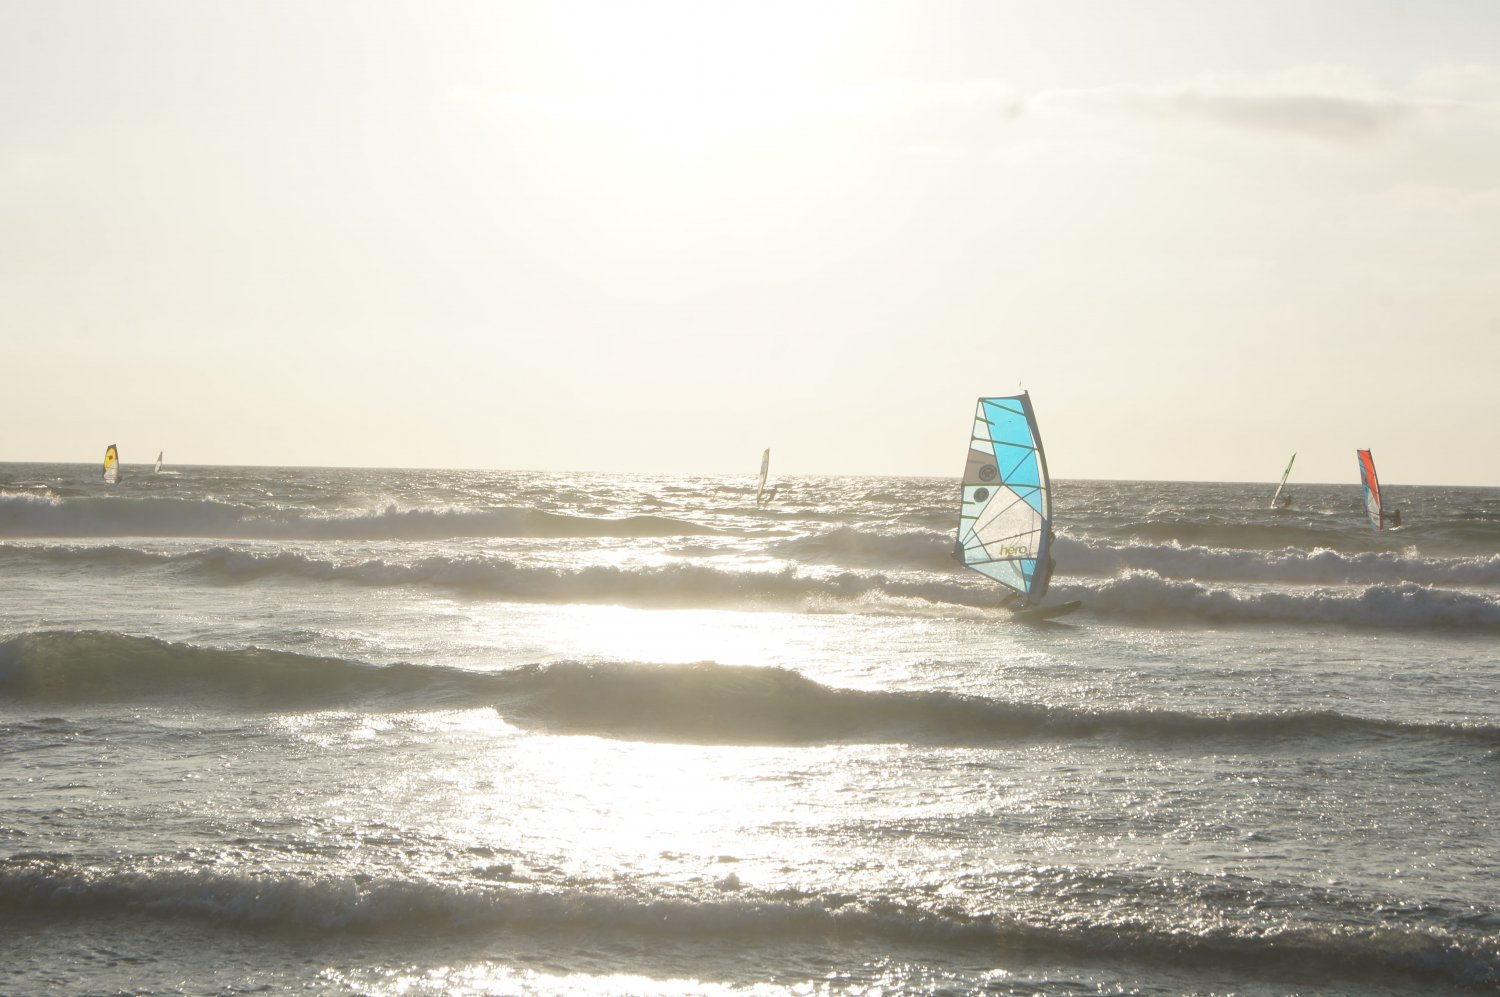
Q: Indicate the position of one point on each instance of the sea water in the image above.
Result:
(356, 731)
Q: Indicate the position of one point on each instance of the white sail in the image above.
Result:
(765, 468)
(157, 468)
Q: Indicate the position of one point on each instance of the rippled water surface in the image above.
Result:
(357, 731)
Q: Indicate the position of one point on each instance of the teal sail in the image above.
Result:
(1005, 520)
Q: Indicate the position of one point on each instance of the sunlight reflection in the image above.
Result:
(635, 803)
(491, 978)
(678, 636)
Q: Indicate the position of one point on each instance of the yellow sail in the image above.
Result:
(111, 464)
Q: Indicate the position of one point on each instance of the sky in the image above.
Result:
(662, 236)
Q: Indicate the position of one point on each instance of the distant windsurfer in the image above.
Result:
(1286, 501)
(1393, 517)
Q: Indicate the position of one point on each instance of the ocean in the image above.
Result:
(417, 732)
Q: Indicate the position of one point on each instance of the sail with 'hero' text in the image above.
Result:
(1005, 520)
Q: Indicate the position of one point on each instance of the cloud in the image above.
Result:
(1466, 82)
(1337, 118)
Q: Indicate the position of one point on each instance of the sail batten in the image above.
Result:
(1005, 513)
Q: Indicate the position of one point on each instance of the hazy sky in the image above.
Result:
(663, 236)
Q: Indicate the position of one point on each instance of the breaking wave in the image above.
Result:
(1138, 594)
(701, 703)
(41, 886)
(680, 584)
(1321, 566)
(39, 516)
(1146, 595)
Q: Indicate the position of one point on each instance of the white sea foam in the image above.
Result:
(1146, 595)
(1320, 566)
(29, 516)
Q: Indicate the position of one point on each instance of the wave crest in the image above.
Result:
(700, 703)
(1318, 566)
(38, 886)
(1141, 594)
(33, 516)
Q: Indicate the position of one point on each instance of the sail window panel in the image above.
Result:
(1013, 526)
(1007, 573)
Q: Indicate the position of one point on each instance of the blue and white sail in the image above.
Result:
(1005, 521)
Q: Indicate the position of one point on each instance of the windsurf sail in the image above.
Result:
(157, 468)
(111, 464)
(765, 468)
(1372, 487)
(1005, 519)
(1283, 480)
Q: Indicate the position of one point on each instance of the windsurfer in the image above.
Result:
(1393, 517)
(1286, 501)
